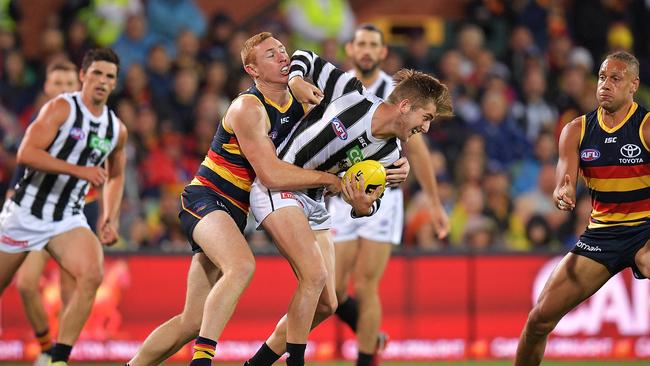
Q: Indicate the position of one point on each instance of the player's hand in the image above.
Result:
(108, 234)
(332, 185)
(440, 221)
(564, 196)
(94, 174)
(395, 176)
(305, 92)
(360, 201)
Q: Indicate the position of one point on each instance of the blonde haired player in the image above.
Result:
(363, 245)
(347, 125)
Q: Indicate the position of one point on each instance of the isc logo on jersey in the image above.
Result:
(339, 128)
(589, 154)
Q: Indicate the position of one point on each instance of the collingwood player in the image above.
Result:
(74, 142)
(348, 125)
(363, 245)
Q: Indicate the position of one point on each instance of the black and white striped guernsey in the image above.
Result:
(382, 87)
(83, 140)
(336, 133)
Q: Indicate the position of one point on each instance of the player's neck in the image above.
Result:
(96, 109)
(367, 79)
(384, 121)
(614, 118)
(278, 94)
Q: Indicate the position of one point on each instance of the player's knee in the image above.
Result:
(327, 307)
(365, 285)
(190, 326)
(541, 322)
(27, 286)
(239, 273)
(314, 278)
(90, 279)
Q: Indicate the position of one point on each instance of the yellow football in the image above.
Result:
(374, 175)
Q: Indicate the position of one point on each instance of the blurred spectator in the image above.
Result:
(469, 206)
(215, 42)
(521, 45)
(314, 21)
(18, 83)
(77, 42)
(177, 108)
(136, 87)
(470, 42)
(505, 143)
(495, 18)
(419, 231)
(525, 173)
(159, 71)
(105, 18)
(480, 234)
(166, 165)
(539, 234)
(418, 56)
(187, 51)
(168, 18)
(534, 113)
(134, 43)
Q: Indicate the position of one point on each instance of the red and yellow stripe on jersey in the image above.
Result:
(615, 164)
(225, 170)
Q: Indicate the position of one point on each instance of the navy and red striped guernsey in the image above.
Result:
(615, 164)
(224, 169)
(336, 133)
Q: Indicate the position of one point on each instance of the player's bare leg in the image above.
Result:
(574, 279)
(28, 284)
(300, 247)
(642, 259)
(172, 335)
(78, 252)
(222, 242)
(275, 345)
(9, 264)
(371, 262)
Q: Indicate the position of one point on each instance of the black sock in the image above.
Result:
(263, 357)
(348, 311)
(296, 354)
(364, 359)
(61, 352)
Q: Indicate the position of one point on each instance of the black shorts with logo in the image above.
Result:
(198, 201)
(614, 247)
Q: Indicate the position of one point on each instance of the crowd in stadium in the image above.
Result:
(518, 72)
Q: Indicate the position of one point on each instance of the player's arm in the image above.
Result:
(333, 82)
(38, 137)
(113, 190)
(248, 120)
(566, 172)
(418, 154)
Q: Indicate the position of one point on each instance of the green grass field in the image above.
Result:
(460, 363)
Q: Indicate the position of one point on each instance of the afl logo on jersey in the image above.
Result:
(339, 128)
(589, 154)
(77, 133)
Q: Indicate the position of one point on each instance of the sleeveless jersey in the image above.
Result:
(225, 170)
(83, 140)
(615, 164)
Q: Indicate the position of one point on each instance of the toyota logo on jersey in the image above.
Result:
(630, 150)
